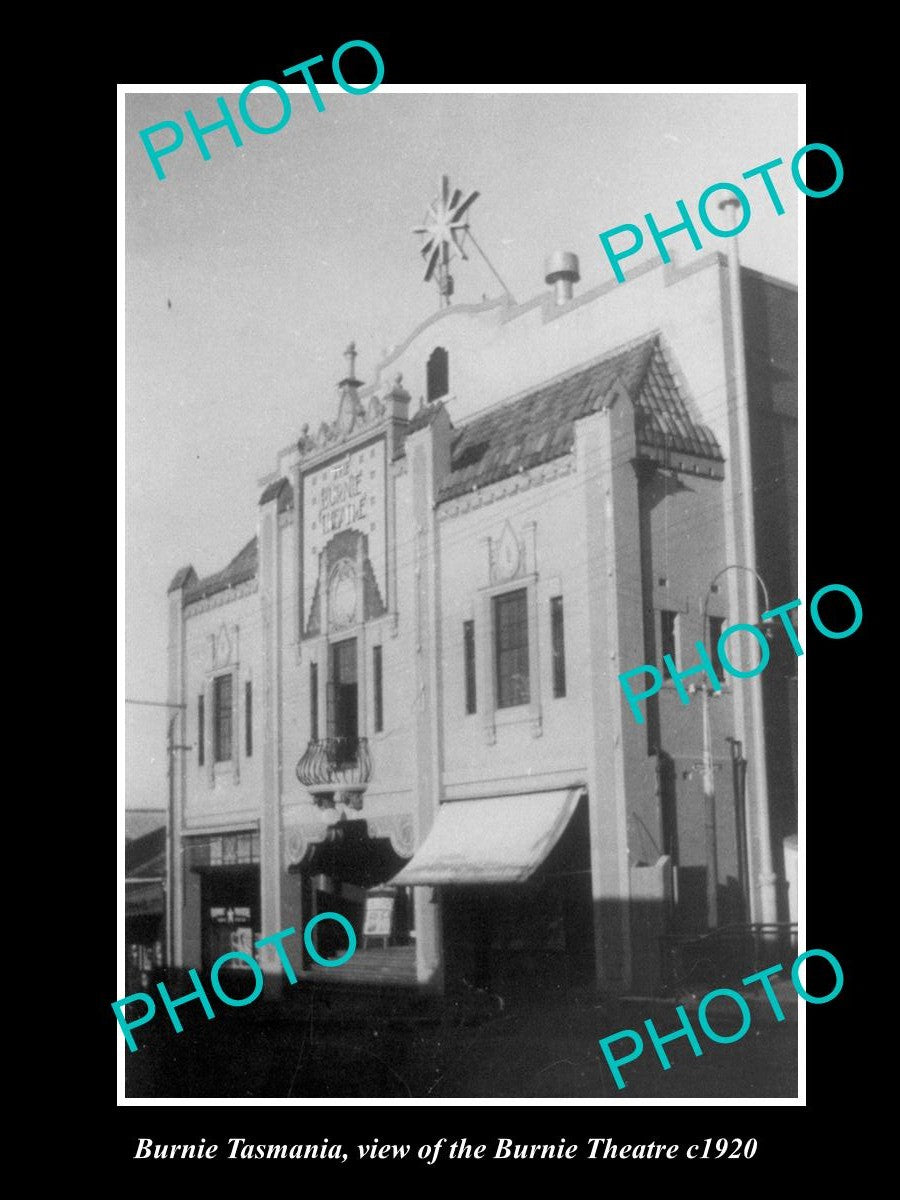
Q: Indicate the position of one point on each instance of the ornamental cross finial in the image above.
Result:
(350, 379)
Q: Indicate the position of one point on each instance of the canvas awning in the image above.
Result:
(503, 839)
(144, 898)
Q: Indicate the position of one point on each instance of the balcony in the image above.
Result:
(336, 770)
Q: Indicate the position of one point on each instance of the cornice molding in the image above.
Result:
(226, 596)
(520, 482)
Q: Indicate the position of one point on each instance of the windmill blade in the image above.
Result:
(432, 262)
(467, 203)
(443, 232)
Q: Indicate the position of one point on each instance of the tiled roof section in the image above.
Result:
(185, 575)
(662, 418)
(541, 425)
(283, 490)
(139, 821)
(241, 568)
(146, 855)
(424, 416)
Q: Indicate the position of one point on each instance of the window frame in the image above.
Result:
(201, 729)
(558, 646)
(504, 686)
(378, 688)
(491, 716)
(314, 700)
(430, 371)
(470, 674)
(669, 645)
(218, 724)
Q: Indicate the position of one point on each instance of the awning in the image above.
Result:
(143, 898)
(499, 840)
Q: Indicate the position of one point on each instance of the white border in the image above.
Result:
(799, 90)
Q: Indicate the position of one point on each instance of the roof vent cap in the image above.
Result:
(561, 270)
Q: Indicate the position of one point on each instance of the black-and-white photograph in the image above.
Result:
(460, 453)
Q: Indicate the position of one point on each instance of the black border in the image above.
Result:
(841, 491)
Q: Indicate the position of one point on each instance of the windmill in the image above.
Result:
(443, 229)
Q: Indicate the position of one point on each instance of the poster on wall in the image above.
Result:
(379, 916)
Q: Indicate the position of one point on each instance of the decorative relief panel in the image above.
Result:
(223, 647)
(343, 595)
(347, 496)
(300, 840)
(506, 556)
(399, 827)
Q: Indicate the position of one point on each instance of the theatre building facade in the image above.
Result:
(402, 695)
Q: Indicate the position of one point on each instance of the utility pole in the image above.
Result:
(171, 747)
(709, 783)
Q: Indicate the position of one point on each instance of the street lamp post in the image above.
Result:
(709, 799)
(709, 783)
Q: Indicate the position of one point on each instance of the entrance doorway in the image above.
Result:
(230, 899)
(520, 938)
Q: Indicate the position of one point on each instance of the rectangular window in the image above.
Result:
(668, 622)
(248, 717)
(314, 701)
(376, 679)
(469, 660)
(511, 648)
(558, 639)
(201, 731)
(222, 717)
(716, 626)
(343, 701)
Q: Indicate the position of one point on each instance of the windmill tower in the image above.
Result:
(443, 230)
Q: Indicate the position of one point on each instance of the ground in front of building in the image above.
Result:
(327, 1040)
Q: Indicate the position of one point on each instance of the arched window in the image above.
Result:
(437, 374)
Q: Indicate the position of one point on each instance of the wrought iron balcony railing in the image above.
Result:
(335, 764)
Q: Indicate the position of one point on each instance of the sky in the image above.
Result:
(245, 277)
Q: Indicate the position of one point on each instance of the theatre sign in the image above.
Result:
(346, 496)
(345, 484)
